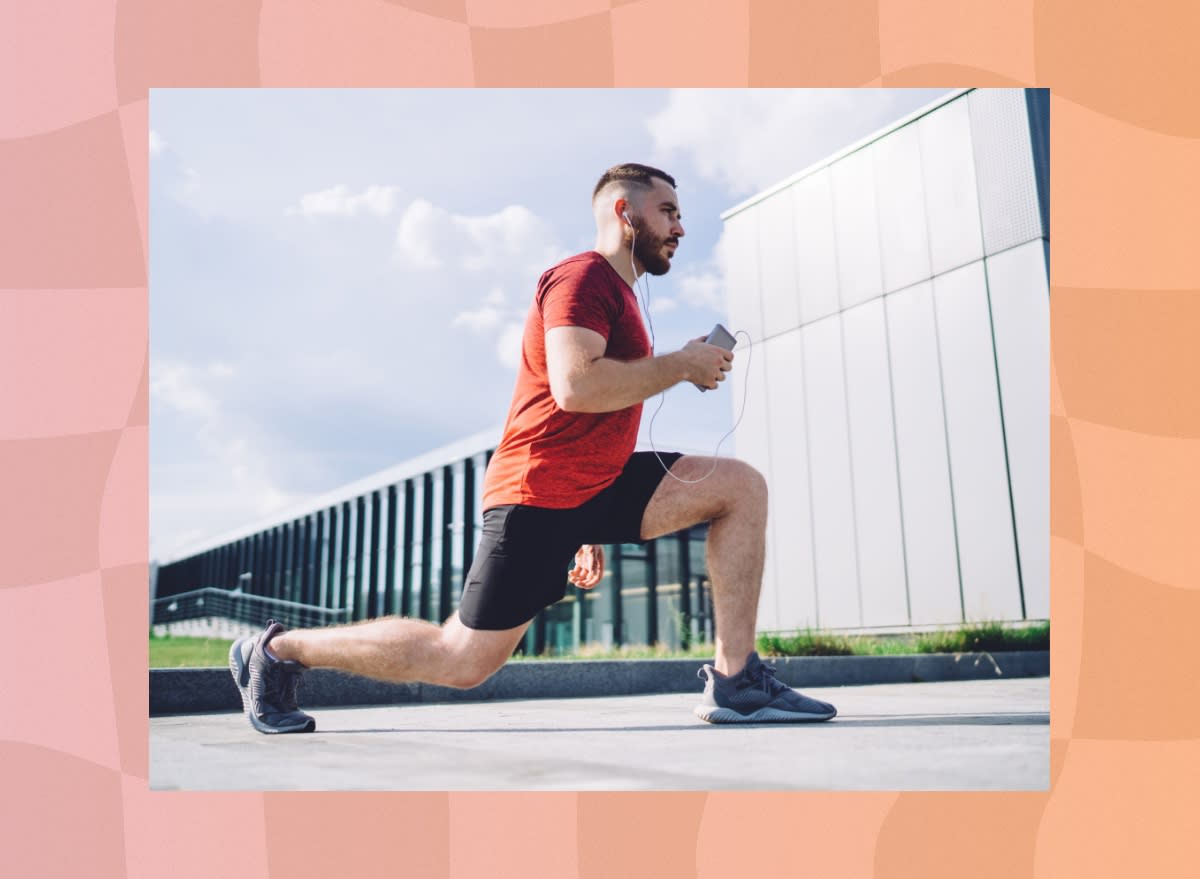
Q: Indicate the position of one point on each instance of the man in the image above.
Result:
(564, 479)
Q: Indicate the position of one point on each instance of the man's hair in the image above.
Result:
(632, 174)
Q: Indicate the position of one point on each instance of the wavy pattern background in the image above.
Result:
(1124, 422)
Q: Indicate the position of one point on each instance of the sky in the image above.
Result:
(339, 278)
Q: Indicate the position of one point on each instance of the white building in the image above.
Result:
(898, 392)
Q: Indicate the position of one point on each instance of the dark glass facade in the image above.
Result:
(403, 548)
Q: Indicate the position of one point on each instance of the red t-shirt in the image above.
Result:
(548, 457)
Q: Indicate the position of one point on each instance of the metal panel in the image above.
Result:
(739, 258)
(930, 547)
(1037, 105)
(793, 594)
(856, 221)
(1008, 196)
(903, 232)
(832, 510)
(1020, 301)
(777, 264)
(751, 446)
(873, 459)
(979, 476)
(816, 250)
(951, 192)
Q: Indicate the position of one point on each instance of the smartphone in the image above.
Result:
(722, 338)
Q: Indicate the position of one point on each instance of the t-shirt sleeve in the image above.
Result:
(577, 298)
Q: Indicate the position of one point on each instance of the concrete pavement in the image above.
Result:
(952, 735)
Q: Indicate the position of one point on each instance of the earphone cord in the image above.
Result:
(645, 299)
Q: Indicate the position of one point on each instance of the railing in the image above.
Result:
(242, 607)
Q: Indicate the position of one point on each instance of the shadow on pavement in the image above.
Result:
(992, 719)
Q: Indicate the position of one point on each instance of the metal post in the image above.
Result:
(539, 633)
(468, 532)
(373, 589)
(296, 583)
(444, 595)
(360, 537)
(389, 580)
(685, 588)
(651, 593)
(328, 593)
(343, 590)
(406, 561)
(315, 596)
(426, 546)
(618, 584)
(304, 545)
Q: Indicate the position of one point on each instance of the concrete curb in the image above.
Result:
(193, 690)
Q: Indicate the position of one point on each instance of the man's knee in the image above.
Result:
(473, 656)
(747, 482)
(465, 676)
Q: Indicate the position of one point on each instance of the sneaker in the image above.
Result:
(755, 695)
(268, 685)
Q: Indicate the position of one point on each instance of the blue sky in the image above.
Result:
(339, 278)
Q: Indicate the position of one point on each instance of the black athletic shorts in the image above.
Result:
(522, 562)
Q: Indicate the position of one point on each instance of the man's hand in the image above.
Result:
(589, 566)
(706, 364)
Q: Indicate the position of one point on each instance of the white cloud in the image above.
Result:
(183, 388)
(157, 144)
(513, 238)
(663, 305)
(480, 320)
(508, 346)
(496, 296)
(339, 201)
(749, 139)
(705, 289)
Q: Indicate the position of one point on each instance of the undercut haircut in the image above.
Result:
(632, 175)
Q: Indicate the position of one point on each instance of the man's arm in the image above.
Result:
(582, 379)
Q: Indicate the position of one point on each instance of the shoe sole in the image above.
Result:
(713, 714)
(240, 671)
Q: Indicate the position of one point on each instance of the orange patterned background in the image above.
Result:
(1124, 422)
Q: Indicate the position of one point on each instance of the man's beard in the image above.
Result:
(648, 251)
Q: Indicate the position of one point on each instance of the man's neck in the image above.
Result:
(620, 259)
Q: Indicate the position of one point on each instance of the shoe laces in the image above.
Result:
(763, 675)
(282, 682)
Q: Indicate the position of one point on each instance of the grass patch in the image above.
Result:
(177, 651)
(182, 651)
(809, 644)
(985, 638)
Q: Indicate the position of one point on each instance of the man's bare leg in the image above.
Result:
(399, 649)
(734, 500)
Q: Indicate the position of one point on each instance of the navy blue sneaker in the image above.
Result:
(755, 695)
(268, 685)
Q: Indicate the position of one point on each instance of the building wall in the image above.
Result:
(898, 302)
